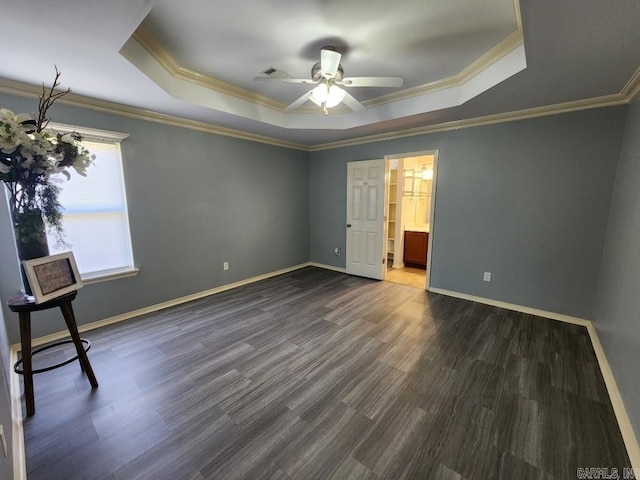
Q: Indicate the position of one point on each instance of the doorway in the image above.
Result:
(410, 208)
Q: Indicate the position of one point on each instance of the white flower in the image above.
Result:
(9, 139)
(82, 162)
(68, 138)
(35, 145)
(8, 144)
(6, 114)
(12, 132)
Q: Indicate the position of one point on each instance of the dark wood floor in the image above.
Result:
(319, 375)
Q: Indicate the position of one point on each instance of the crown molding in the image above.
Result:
(91, 134)
(513, 41)
(626, 95)
(632, 87)
(164, 58)
(21, 89)
(599, 102)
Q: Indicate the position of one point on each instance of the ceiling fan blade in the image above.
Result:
(352, 103)
(285, 80)
(299, 101)
(329, 62)
(372, 82)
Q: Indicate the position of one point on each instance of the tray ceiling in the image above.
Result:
(447, 53)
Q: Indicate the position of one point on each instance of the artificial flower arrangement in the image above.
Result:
(32, 160)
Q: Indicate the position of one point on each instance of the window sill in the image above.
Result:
(107, 275)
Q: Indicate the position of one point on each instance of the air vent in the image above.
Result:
(272, 72)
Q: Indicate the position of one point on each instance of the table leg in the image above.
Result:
(70, 319)
(25, 340)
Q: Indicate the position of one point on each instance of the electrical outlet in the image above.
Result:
(487, 276)
(337, 251)
(225, 266)
(4, 441)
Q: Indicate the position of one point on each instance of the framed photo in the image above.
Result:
(53, 276)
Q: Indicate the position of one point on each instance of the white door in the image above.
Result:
(365, 221)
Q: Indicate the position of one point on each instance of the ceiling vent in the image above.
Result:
(272, 72)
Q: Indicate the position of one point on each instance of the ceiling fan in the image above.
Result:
(328, 74)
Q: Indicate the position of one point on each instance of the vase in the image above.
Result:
(31, 239)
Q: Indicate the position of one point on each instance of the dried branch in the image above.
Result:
(47, 99)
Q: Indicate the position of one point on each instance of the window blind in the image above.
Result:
(95, 215)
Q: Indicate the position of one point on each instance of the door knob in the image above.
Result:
(348, 225)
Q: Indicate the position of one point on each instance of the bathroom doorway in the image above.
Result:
(410, 203)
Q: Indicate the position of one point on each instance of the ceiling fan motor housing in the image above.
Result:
(316, 73)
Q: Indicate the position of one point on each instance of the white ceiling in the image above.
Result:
(196, 59)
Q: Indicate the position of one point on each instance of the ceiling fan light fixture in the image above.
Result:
(330, 96)
(427, 173)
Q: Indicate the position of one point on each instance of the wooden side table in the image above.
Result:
(24, 309)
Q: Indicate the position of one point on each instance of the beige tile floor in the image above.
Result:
(413, 277)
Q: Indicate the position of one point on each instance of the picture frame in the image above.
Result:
(52, 276)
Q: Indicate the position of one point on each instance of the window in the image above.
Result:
(95, 218)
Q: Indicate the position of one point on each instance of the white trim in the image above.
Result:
(161, 55)
(89, 134)
(152, 48)
(432, 216)
(624, 423)
(624, 97)
(194, 88)
(328, 267)
(107, 275)
(492, 119)
(17, 436)
(512, 306)
(160, 306)
(626, 429)
(22, 89)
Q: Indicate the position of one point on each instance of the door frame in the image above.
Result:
(434, 184)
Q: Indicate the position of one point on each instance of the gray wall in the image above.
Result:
(527, 201)
(617, 306)
(195, 200)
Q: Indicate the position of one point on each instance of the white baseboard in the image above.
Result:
(628, 435)
(328, 267)
(161, 306)
(624, 423)
(511, 306)
(17, 431)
